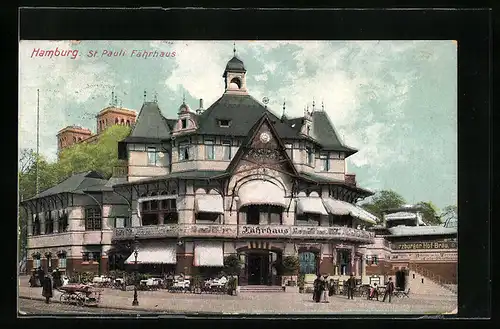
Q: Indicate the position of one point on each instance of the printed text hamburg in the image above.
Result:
(73, 54)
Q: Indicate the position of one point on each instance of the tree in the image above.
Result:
(101, 156)
(384, 200)
(449, 213)
(429, 213)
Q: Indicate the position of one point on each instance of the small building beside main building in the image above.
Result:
(232, 179)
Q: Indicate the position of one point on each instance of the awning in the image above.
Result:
(260, 192)
(208, 254)
(311, 205)
(342, 208)
(337, 207)
(155, 253)
(212, 203)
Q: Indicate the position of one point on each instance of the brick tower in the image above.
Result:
(71, 135)
(113, 115)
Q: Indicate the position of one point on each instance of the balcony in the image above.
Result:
(245, 231)
(305, 232)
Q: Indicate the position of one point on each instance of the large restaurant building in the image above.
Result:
(237, 179)
(232, 179)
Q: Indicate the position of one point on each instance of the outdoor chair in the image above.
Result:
(406, 293)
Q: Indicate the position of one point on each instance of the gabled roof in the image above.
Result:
(324, 131)
(243, 111)
(78, 183)
(251, 135)
(150, 124)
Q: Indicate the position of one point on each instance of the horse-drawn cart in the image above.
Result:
(80, 294)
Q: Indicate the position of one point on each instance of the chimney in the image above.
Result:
(350, 179)
(200, 109)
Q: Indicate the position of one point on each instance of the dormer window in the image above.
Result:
(183, 124)
(224, 123)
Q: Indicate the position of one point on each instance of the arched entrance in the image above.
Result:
(261, 265)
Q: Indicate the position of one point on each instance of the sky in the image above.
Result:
(394, 101)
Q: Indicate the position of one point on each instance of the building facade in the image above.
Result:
(235, 179)
(232, 179)
(72, 223)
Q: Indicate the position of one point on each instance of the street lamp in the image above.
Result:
(135, 302)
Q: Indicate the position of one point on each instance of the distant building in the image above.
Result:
(107, 117)
(404, 242)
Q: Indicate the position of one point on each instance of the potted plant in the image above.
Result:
(196, 283)
(232, 266)
(291, 267)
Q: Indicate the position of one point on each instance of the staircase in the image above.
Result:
(432, 284)
(267, 289)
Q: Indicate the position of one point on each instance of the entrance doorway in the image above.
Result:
(400, 283)
(258, 268)
(261, 267)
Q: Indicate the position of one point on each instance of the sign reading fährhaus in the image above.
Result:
(264, 230)
(426, 245)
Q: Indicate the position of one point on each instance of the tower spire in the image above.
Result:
(234, 48)
(284, 103)
(313, 104)
(112, 98)
(144, 95)
(183, 97)
(322, 106)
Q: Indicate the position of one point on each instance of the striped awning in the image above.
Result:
(154, 253)
(311, 205)
(342, 208)
(212, 203)
(261, 192)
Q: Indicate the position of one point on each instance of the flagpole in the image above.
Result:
(37, 139)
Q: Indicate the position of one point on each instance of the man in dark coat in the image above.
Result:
(47, 289)
(389, 289)
(317, 289)
(351, 284)
(57, 278)
(41, 275)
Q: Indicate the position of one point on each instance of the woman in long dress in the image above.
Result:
(47, 288)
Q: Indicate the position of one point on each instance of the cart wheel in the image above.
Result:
(64, 298)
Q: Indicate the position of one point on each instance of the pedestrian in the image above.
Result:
(389, 289)
(351, 284)
(331, 288)
(317, 289)
(373, 292)
(41, 275)
(325, 289)
(57, 278)
(47, 288)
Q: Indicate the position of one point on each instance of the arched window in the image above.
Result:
(128, 122)
(74, 139)
(237, 82)
(123, 121)
(308, 262)
(116, 121)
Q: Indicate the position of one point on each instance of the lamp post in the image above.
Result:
(135, 302)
